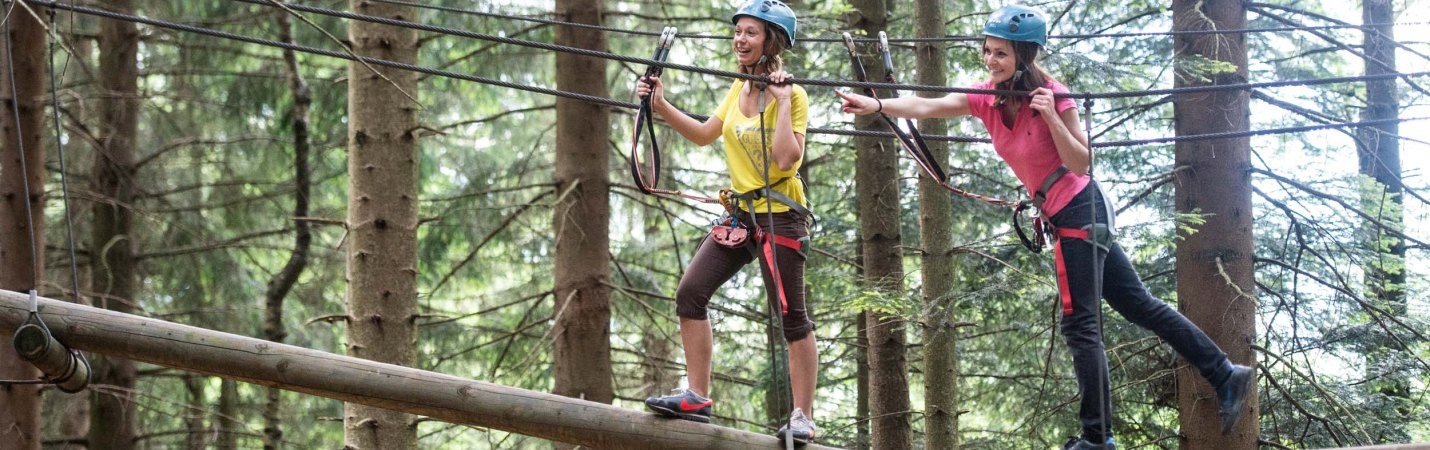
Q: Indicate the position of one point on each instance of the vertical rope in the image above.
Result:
(60, 151)
(775, 319)
(1104, 398)
(20, 146)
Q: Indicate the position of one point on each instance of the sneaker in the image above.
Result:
(683, 404)
(802, 426)
(1233, 394)
(1083, 444)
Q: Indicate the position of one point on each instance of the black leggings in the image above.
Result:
(714, 264)
(1079, 288)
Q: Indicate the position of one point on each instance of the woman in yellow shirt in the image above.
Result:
(762, 131)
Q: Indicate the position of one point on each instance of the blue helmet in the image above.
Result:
(773, 11)
(1018, 23)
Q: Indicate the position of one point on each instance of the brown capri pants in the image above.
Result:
(714, 264)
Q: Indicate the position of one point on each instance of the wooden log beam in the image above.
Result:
(443, 397)
(1390, 447)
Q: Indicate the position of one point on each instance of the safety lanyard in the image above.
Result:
(646, 120)
(911, 141)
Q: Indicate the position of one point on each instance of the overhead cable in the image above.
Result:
(949, 38)
(632, 105)
(819, 82)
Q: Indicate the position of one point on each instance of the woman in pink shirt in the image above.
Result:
(1037, 135)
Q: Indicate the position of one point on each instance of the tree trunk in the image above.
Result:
(861, 374)
(22, 214)
(940, 351)
(877, 190)
(197, 437)
(1379, 154)
(382, 217)
(582, 353)
(1215, 279)
(115, 280)
(227, 421)
(282, 284)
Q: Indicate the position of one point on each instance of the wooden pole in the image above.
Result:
(349, 379)
(1390, 447)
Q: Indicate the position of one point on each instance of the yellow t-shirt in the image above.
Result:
(743, 151)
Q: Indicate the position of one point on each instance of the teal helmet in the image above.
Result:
(1018, 23)
(774, 12)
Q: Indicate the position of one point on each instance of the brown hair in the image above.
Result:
(1029, 76)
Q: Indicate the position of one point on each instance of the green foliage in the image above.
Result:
(1188, 222)
(884, 304)
(1200, 69)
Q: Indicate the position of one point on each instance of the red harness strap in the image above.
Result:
(767, 242)
(1064, 292)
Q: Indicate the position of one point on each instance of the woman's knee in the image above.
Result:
(691, 303)
(798, 331)
(1080, 329)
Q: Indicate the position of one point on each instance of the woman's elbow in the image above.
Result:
(787, 164)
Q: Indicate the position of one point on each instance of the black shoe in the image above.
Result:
(803, 428)
(1233, 394)
(683, 404)
(1083, 444)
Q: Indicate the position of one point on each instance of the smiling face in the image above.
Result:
(750, 37)
(999, 58)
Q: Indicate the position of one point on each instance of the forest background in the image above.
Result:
(210, 196)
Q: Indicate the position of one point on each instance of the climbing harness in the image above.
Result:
(911, 141)
(768, 239)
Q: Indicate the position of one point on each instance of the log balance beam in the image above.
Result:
(1389, 447)
(443, 397)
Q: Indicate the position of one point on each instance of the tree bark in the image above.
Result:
(22, 214)
(877, 191)
(382, 216)
(1215, 279)
(282, 284)
(582, 350)
(376, 384)
(1379, 154)
(197, 439)
(940, 351)
(115, 281)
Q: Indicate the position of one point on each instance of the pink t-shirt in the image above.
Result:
(1028, 147)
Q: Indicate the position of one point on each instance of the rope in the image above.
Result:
(1239, 134)
(64, 172)
(20, 147)
(947, 38)
(1097, 281)
(631, 105)
(775, 319)
(913, 141)
(332, 54)
(810, 82)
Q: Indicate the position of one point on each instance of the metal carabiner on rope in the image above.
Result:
(1035, 243)
(925, 156)
(645, 120)
(911, 140)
